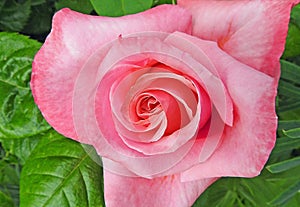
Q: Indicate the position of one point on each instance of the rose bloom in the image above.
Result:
(172, 98)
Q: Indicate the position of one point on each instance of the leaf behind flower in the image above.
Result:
(61, 172)
(120, 7)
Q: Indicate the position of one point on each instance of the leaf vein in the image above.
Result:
(14, 85)
(85, 187)
(66, 178)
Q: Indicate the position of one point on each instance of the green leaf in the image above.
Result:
(284, 165)
(243, 192)
(290, 71)
(22, 147)
(37, 2)
(40, 19)
(283, 150)
(5, 200)
(288, 124)
(14, 15)
(19, 116)
(292, 47)
(285, 144)
(288, 99)
(9, 181)
(61, 172)
(286, 195)
(2, 3)
(292, 133)
(159, 2)
(120, 7)
(289, 89)
(9, 173)
(295, 15)
(83, 6)
(235, 192)
(292, 41)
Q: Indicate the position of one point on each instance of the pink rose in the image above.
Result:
(172, 98)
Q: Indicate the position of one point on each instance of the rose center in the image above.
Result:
(147, 105)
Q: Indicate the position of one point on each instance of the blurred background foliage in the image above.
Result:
(31, 153)
(33, 17)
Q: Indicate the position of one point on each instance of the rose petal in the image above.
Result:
(187, 131)
(158, 192)
(120, 97)
(175, 85)
(247, 145)
(130, 87)
(107, 141)
(253, 32)
(219, 95)
(74, 37)
(214, 87)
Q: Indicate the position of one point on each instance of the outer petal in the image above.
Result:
(159, 192)
(74, 37)
(247, 144)
(253, 32)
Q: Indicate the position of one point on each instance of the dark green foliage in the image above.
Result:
(292, 48)
(83, 6)
(40, 19)
(14, 14)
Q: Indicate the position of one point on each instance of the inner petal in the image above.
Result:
(164, 110)
(125, 97)
(171, 108)
(146, 106)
